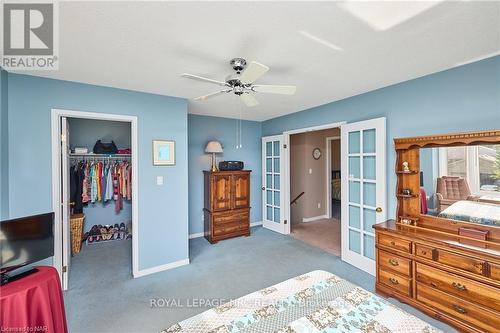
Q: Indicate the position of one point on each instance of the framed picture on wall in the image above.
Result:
(163, 152)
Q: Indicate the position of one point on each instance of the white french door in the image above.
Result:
(272, 184)
(363, 190)
(65, 202)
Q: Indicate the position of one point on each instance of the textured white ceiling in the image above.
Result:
(330, 50)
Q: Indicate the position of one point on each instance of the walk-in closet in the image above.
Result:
(99, 171)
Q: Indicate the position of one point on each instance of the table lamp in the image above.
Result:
(213, 147)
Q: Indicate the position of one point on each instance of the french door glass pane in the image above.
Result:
(369, 141)
(369, 246)
(354, 191)
(369, 194)
(276, 181)
(369, 219)
(269, 165)
(354, 169)
(354, 241)
(277, 165)
(276, 148)
(269, 149)
(276, 198)
(276, 215)
(269, 181)
(269, 199)
(269, 213)
(354, 143)
(369, 167)
(354, 217)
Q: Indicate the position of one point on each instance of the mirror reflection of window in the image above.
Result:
(462, 183)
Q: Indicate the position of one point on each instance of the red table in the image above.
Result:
(33, 303)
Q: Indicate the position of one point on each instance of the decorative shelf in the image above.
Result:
(411, 172)
(115, 156)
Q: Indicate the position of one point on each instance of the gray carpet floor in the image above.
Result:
(103, 297)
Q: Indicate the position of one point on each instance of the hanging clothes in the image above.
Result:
(100, 181)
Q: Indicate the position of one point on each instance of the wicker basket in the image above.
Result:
(76, 223)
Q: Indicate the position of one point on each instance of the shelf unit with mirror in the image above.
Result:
(444, 260)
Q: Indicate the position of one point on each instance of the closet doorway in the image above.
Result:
(98, 189)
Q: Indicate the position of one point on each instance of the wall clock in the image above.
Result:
(316, 153)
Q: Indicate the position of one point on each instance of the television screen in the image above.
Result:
(26, 240)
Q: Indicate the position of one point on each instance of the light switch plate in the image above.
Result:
(159, 180)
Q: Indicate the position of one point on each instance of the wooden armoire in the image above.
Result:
(227, 204)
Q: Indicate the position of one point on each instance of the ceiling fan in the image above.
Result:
(242, 82)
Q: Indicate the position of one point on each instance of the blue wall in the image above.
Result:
(203, 129)
(4, 141)
(163, 210)
(465, 98)
(84, 133)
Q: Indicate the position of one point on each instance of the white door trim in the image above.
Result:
(56, 179)
(328, 205)
(286, 165)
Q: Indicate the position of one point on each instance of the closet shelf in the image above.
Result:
(101, 155)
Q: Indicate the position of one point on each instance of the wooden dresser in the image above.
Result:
(227, 204)
(435, 273)
(436, 264)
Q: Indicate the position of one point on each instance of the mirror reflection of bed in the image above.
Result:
(461, 183)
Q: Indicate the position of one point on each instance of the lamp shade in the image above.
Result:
(213, 147)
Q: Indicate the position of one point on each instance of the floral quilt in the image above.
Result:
(314, 302)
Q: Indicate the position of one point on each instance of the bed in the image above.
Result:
(314, 302)
(473, 211)
(336, 193)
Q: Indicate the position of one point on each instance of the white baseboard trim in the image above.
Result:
(255, 224)
(197, 235)
(314, 218)
(156, 269)
(201, 234)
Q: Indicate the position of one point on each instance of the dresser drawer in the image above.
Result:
(389, 261)
(461, 287)
(478, 316)
(451, 259)
(495, 271)
(424, 251)
(394, 243)
(230, 216)
(394, 281)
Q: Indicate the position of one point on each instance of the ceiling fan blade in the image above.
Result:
(204, 79)
(271, 89)
(204, 97)
(253, 72)
(249, 100)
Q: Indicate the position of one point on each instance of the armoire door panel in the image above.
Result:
(241, 191)
(222, 192)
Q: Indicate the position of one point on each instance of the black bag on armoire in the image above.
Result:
(105, 147)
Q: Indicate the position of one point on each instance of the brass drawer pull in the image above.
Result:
(393, 262)
(459, 286)
(423, 252)
(393, 243)
(459, 309)
(393, 280)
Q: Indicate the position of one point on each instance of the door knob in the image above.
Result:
(263, 188)
(378, 209)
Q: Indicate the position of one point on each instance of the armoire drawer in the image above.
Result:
(461, 287)
(452, 259)
(476, 315)
(230, 228)
(394, 243)
(394, 281)
(389, 261)
(230, 216)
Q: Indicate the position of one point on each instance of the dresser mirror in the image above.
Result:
(450, 183)
(461, 183)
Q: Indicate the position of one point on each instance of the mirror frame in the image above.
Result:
(408, 149)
